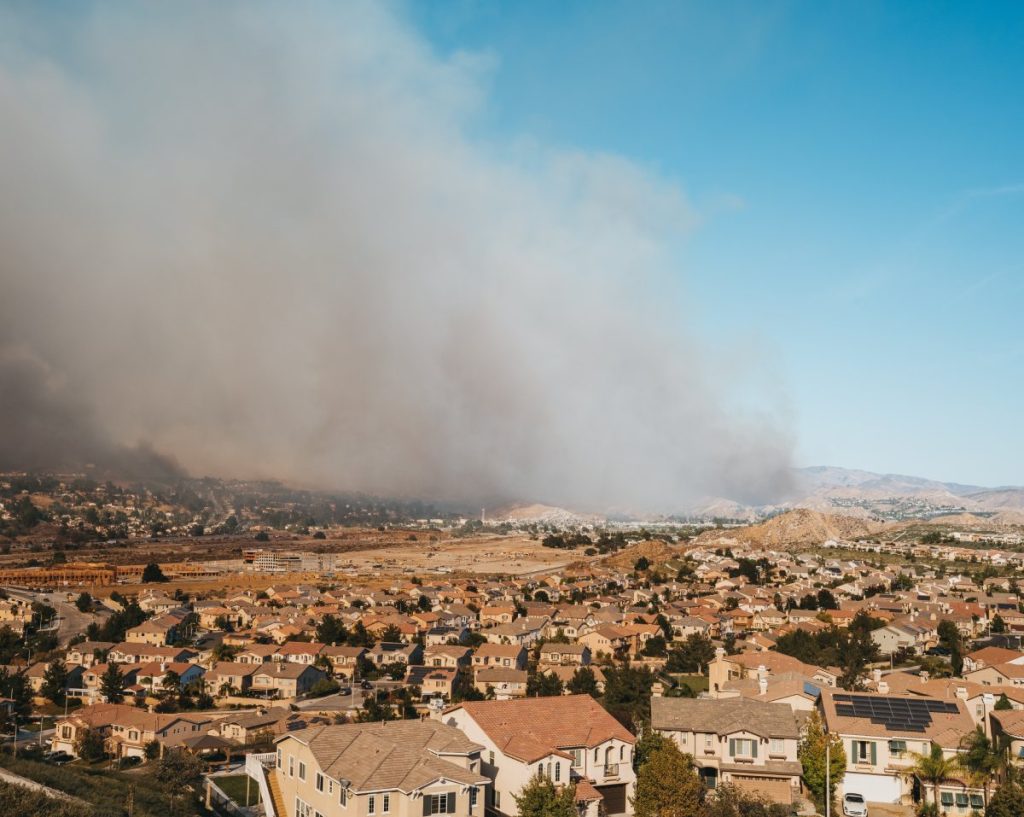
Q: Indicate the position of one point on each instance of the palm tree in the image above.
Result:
(981, 758)
(933, 768)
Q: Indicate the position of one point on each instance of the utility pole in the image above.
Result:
(828, 776)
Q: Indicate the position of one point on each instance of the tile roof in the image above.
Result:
(724, 716)
(403, 755)
(531, 728)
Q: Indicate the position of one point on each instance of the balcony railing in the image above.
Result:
(611, 770)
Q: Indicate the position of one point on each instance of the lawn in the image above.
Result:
(696, 683)
(234, 787)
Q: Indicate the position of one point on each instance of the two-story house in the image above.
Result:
(397, 769)
(748, 743)
(564, 738)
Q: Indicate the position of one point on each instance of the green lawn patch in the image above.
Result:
(234, 787)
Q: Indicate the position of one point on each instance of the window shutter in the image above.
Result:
(853, 752)
(732, 747)
(754, 744)
(874, 753)
(451, 802)
(426, 805)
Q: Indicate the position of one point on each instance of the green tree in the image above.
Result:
(950, 638)
(980, 758)
(1003, 704)
(648, 743)
(1008, 801)
(693, 655)
(179, 768)
(583, 682)
(933, 768)
(543, 685)
(627, 694)
(667, 785)
(89, 745)
(83, 602)
(730, 801)
(55, 681)
(812, 754)
(112, 684)
(331, 630)
(998, 624)
(540, 798)
(153, 573)
(373, 711)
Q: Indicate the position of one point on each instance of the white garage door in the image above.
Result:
(875, 788)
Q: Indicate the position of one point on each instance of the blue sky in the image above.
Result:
(859, 171)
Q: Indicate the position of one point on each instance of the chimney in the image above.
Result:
(961, 693)
(719, 653)
(762, 686)
(924, 676)
(762, 670)
(883, 687)
(877, 675)
(657, 689)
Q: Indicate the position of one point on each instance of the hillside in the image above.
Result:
(797, 527)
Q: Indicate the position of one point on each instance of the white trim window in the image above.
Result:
(319, 782)
(385, 804)
(371, 805)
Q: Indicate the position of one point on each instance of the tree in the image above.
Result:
(627, 694)
(642, 564)
(667, 785)
(543, 685)
(179, 768)
(648, 743)
(540, 798)
(15, 685)
(83, 602)
(153, 573)
(583, 682)
(693, 655)
(729, 801)
(826, 600)
(374, 711)
(112, 684)
(89, 745)
(998, 624)
(55, 681)
(1003, 704)
(331, 630)
(933, 768)
(950, 638)
(812, 754)
(1008, 801)
(655, 646)
(981, 759)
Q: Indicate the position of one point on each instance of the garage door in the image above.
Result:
(875, 788)
(778, 791)
(614, 798)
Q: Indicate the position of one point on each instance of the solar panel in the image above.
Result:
(897, 714)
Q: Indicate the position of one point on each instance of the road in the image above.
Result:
(71, 620)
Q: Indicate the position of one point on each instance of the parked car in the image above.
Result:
(854, 805)
(367, 685)
(58, 758)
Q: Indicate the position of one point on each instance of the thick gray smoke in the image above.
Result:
(261, 239)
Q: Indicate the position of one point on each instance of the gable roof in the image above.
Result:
(531, 728)
(724, 716)
(403, 755)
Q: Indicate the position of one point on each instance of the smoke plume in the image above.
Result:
(264, 240)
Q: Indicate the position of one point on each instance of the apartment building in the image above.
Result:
(568, 738)
(750, 744)
(396, 769)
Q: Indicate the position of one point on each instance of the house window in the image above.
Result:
(472, 797)
(947, 799)
(863, 751)
(977, 802)
(279, 758)
(497, 799)
(577, 758)
(961, 799)
(707, 741)
(443, 803)
(330, 786)
(490, 758)
(371, 805)
(385, 803)
(742, 747)
(343, 797)
(897, 748)
(319, 782)
(302, 770)
(778, 746)
(291, 766)
(595, 755)
(558, 772)
(302, 808)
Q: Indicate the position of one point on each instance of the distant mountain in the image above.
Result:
(865, 494)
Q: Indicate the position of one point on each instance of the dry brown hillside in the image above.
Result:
(654, 550)
(798, 527)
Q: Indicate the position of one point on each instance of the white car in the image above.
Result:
(854, 805)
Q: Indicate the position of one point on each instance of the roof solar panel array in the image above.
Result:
(896, 714)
